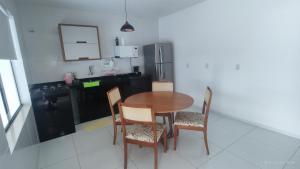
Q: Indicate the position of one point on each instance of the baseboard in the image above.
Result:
(259, 125)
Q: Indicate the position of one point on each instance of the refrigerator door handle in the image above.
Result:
(161, 72)
(160, 55)
(157, 72)
(164, 72)
(161, 65)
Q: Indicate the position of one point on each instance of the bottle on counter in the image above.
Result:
(117, 41)
(69, 77)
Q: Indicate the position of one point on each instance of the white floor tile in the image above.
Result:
(214, 117)
(226, 131)
(264, 155)
(294, 162)
(21, 159)
(190, 146)
(92, 141)
(226, 160)
(130, 165)
(169, 160)
(110, 129)
(276, 139)
(56, 150)
(71, 163)
(136, 153)
(232, 125)
(106, 158)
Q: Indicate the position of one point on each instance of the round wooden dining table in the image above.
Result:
(162, 103)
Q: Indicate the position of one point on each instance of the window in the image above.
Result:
(9, 98)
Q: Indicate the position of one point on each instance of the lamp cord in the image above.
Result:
(126, 9)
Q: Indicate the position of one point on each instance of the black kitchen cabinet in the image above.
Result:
(52, 109)
(93, 102)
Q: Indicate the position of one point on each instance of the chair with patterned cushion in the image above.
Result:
(194, 120)
(114, 97)
(163, 86)
(143, 129)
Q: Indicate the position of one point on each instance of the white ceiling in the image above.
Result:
(152, 8)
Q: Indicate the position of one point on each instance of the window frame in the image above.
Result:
(5, 102)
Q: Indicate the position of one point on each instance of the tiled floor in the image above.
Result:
(233, 145)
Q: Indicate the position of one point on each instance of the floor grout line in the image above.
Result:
(38, 158)
(76, 152)
(244, 135)
(291, 157)
(188, 161)
(275, 147)
(225, 149)
(57, 162)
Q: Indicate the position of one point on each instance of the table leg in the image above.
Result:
(171, 122)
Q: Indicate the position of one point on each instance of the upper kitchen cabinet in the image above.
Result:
(79, 42)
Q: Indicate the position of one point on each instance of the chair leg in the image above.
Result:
(164, 119)
(175, 136)
(155, 157)
(115, 134)
(165, 141)
(125, 155)
(206, 143)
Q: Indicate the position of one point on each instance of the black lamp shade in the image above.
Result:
(127, 27)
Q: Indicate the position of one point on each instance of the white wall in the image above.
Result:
(262, 36)
(44, 56)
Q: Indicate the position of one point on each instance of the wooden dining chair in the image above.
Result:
(143, 129)
(194, 120)
(114, 97)
(162, 86)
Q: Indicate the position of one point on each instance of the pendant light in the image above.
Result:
(127, 27)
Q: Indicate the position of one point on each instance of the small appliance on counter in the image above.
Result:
(136, 69)
(126, 51)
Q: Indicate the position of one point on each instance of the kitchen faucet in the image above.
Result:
(91, 70)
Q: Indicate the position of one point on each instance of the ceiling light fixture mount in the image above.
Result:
(127, 27)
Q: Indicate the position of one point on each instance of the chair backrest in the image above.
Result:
(137, 114)
(114, 97)
(162, 86)
(206, 104)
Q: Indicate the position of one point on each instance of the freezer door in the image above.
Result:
(149, 55)
(165, 52)
(149, 52)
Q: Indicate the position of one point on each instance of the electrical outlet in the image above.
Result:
(237, 67)
(187, 65)
(206, 65)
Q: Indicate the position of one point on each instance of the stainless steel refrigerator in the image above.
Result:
(159, 61)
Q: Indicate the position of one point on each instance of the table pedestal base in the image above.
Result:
(171, 122)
